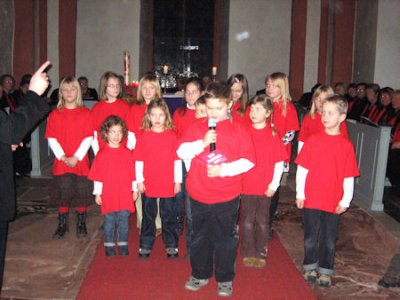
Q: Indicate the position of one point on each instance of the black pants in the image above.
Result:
(215, 237)
(273, 207)
(3, 242)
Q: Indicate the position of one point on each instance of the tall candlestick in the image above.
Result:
(165, 69)
(127, 67)
(214, 70)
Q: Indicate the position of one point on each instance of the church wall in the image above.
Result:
(259, 39)
(387, 66)
(105, 29)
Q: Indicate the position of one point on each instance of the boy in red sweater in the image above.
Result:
(214, 189)
(324, 188)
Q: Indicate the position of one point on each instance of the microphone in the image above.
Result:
(212, 124)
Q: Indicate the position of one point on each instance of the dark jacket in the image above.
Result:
(13, 128)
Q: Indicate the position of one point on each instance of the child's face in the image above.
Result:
(192, 93)
(201, 111)
(258, 114)
(114, 136)
(157, 118)
(361, 91)
(113, 88)
(236, 91)
(148, 91)
(339, 89)
(217, 109)
(319, 101)
(331, 117)
(352, 92)
(371, 95)
(272, 90)
(396, 101)
(385, 99)
(69, 93)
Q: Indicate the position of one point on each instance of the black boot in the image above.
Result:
(62, 227)
(81, 229)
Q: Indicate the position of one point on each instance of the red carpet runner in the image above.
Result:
(160, 278)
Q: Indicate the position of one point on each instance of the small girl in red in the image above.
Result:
(113, 175)
(70, 133)
(260, 183)
(110, 91)
(285, 121)
(159, 175)
(149, 89)
(240, 98)
(312, 122)
(326, 169)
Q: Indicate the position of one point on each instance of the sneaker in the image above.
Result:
(260, 263)
(225, 289)
(249, 261)
(110, 251)
(172, 253)
(324, 280)
(194, 284)
(123, 250)
(310, 276)
(144, 253)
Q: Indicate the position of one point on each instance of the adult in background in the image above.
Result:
(13, 128)
(88, 94)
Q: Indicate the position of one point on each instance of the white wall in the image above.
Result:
(259, 39)
(105, 29)
(52, 42)
(387, 62)
(312, 44)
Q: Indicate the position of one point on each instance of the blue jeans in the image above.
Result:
(116, 220)
(320, 231)
(215, 239)
(183, 204)
(168, 220)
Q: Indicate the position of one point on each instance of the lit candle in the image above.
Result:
(214, 70)
(165, 69)
(127, 68)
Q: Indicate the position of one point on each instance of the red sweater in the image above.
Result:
(102, 109)
(329, 159)
(310, 126)
(157, 151)
(243, 119)
(182, 122)
(70, 127)
(269, 150)
(233, 141)
(114, 167)
(134, 118)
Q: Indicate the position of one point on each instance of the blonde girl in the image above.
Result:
(159, 175)
(312, 122)
(70, 133)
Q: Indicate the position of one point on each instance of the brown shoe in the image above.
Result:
(260, 263)
(249, 261)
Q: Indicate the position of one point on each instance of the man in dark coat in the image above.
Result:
(13, 128)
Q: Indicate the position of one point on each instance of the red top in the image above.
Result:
(269, 150)
(157, 151)
(134, 118)
(182, 122)
(243, 119)
(310, 126)
(114, 167)
(234, 142)
(329, 159)
(102, 109)
(70, 127)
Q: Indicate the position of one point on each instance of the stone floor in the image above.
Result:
(38, 267)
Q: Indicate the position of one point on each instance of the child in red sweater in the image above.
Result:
(110, 104)
(113, 175)
(326, 169)
(260, 183)
(159, 175)
(214, 188)
(70, 133)
(240, 98)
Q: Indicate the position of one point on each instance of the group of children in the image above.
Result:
(218, 152)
